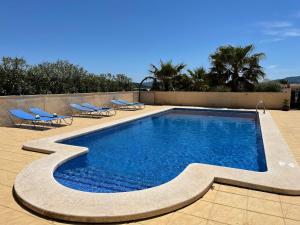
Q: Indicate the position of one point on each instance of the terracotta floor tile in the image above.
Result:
(263, 195)
(262, 219)
(12, 166)
(210, 195)
(228, 215)
(7, 178)
(199, 208)
(264, 206)
(215, 186)
(290, 199)
(233, 189)
(291, 211)
(210, 222)
(291, 222)
(233, 200)
(184, 219)
(15, 157)
(12, 217)
(160, 220)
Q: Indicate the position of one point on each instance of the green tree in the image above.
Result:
(166, 73)
(237, 66)
(199, 79)
(13, 73)
(58, 77)
(123, 82)
(182, 82)
(16, 78)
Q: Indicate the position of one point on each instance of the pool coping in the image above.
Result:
(37, 189)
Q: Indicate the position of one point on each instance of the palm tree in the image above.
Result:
(166, 73)
(199, 79)
(238, 66)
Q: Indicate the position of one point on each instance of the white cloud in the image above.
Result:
(274, 66)
(271, 40)
(271, 32)
(278, 30)
(291, 33)
(276, 24)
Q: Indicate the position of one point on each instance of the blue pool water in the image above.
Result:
(153, 150)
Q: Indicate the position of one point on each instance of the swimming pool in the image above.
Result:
(153, 150)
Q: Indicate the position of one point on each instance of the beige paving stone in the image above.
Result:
(233, 200)
(12, 217)
(160, 220)
(164, 219)
(7, 178)
(228, 215)
(199, 208)
(233, 189)
(291, 222)
(291, 211)
(264, 206)
(263, 195)
(290, 199)
(18, 150)
(11, 166)
(210, 222)
(215, 186)
(210, 195)
(184, 219)
(15, 157)
(7, 199)
(263, 219)
(288, 123)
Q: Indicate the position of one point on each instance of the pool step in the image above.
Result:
(97, 180)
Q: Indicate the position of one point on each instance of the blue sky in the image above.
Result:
(125, 36)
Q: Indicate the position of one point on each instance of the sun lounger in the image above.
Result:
(107, 110)
(138, 104)
(67, 119)
(87, 111)
(120, 105)
(33, 119)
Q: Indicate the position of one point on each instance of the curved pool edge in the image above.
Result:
(78, 206)
(37, 189)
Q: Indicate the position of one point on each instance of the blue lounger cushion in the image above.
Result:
(116, 102)
(90, 106)
(130, 103)
(81, 108)
(43, 113)
(20, 114)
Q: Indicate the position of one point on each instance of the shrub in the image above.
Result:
(270, 86)
(220, 88)
(19, 78)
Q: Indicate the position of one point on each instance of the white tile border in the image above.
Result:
(36, 187)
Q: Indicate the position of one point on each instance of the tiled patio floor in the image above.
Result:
(221, 205)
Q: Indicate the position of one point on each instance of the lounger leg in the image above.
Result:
(66, 120)
(34, 124)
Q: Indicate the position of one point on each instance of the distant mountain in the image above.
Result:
(292, 80)
(148, 84)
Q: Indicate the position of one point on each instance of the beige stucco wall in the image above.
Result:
(58, 103)
(272, 100)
